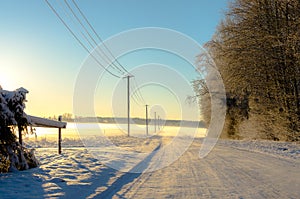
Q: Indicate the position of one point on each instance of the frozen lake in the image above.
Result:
(80, 130)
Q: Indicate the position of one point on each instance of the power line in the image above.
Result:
(135, 97)
(85, 33)
(140, 96)
(93, 46)
(84, 17)
(81, 33)
(78, 40)
(107, 59)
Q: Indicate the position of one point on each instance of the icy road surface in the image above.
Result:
(227, 172)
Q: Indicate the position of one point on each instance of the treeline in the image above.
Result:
(67, 117)
(256, 48)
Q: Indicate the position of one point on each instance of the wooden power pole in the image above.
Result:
(128, 102)
(147, 119)
(155, 122)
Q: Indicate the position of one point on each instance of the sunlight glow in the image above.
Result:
(6, 82)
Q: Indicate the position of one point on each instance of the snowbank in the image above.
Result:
(280, 149)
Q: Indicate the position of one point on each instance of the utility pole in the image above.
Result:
(158, 122)
(128, 101)
(155, 122)
(147, 119)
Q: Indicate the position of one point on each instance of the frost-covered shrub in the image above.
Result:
(12, 116)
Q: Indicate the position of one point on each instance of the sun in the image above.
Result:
(6, 82)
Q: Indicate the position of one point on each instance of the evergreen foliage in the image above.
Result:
(13, 156)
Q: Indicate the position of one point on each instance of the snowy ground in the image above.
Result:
(234, 169)
(280, 149)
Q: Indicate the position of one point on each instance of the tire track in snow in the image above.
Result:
(224, 173)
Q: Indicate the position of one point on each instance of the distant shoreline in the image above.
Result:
(141, 121)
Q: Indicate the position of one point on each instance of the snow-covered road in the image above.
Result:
(227, 172)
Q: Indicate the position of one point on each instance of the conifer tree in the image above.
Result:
(13, 156)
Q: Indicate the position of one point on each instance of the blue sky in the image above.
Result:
(38, 53)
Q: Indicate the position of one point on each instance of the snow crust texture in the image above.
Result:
(234, 169)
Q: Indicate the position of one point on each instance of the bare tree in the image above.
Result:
(257, 50)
